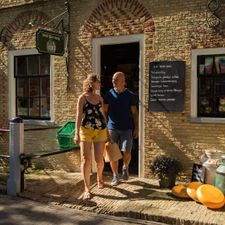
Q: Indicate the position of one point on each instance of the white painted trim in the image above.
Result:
(194, 86)
(96, 59)
(194, 82)
(12, 86)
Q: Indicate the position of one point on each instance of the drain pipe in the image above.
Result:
(16, 148)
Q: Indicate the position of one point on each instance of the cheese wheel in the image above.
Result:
(192, 189)
(208, 194)
(180, 191)
(215, 205)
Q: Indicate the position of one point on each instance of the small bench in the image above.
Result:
(26, 158)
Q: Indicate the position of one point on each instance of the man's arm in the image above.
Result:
(135, 120)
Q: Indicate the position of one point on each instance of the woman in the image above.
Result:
(90, 128)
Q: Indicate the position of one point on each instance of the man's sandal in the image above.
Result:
(86, 195)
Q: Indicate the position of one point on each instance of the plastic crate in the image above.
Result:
(65, 135)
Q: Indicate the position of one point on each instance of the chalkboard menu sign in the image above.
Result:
(166, 89)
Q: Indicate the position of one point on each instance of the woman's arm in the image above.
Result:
(104, 113)
(79, 116)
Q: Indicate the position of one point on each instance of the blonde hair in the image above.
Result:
(88, 82)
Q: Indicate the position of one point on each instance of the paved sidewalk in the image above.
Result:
(139, 198)
(20, 211)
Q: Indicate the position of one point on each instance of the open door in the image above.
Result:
(125, 58)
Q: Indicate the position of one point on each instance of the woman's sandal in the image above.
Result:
(100, 184)
(86, 195)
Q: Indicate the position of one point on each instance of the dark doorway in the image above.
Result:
(125, 58)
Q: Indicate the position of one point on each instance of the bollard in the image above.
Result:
(16, 147)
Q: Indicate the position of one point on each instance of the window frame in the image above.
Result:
(194, 85)
(12, 87)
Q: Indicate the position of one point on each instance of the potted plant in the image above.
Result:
(166, 169)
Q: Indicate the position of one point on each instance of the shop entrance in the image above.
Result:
(125, 58)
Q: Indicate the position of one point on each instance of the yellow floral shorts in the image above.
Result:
(93, 135)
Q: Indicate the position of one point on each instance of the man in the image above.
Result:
(120, 108)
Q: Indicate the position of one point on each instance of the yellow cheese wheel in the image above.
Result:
(215, 205)
(192, 189)
(180, 191)
(208, 194)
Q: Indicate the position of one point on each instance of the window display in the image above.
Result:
(33, 86)
(211, 85)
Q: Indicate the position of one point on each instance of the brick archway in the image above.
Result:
(21, 22)
(112, 18)
(122, 16)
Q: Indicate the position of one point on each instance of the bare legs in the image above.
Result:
(126, 159)
(98, 148)
(126, 162)
(114, 167)
(86, 162)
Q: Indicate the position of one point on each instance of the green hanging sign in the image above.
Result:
(49, 42)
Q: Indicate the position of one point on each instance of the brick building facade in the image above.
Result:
(163, 31)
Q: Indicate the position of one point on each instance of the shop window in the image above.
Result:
(211, 86)
(32, 75)
(208, 78)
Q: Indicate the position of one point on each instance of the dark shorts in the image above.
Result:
(123, 138)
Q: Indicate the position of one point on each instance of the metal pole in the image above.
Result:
(16, 147)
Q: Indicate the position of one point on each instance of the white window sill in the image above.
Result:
(206, 120)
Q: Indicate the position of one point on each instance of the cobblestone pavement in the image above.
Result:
(139, 198)
(20, 211)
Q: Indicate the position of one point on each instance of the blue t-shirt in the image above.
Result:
(119, 113)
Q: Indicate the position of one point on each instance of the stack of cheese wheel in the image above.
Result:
(180, 191)
(192, 190)
(207, 194)
(210, 196)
